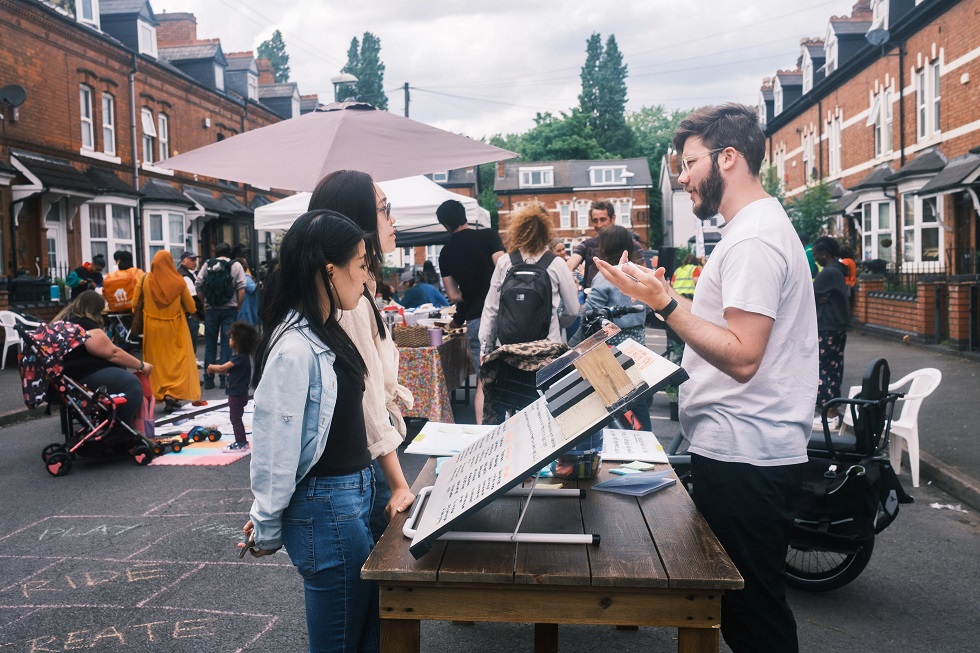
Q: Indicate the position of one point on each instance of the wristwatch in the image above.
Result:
(668, 309)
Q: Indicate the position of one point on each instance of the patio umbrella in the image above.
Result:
(295, 154)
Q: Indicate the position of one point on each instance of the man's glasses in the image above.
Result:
(386, 209)
(686, 161)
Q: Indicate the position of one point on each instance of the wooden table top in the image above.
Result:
(656, 541)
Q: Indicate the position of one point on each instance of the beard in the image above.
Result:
(710, 191)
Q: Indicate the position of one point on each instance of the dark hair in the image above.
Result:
(222, 249)
(351, 193)
(613, 241)
(827, 244)
(726, 125)
(246, 337)
(123, 258)
(98, 259)
(429, 273)
(603, 205)
(451, 214)
(315, 239)
(239, 251)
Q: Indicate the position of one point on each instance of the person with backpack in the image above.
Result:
(119, 286)
(222, 284)
(527, 285)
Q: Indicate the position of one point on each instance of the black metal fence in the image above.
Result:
(905, 277)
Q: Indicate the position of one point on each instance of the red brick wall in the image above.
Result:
(903, 314)
(959, 314)
(176, 29)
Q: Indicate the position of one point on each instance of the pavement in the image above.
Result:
(950, 452)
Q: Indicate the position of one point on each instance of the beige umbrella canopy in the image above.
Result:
(295, 154)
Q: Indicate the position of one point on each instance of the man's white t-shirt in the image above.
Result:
(760, 267)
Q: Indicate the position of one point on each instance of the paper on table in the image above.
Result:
(636, 484)
(619, 444)
(438, 439)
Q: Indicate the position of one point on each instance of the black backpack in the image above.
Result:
(525, 301)
(218, 286)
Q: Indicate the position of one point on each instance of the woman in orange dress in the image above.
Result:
(166, 339)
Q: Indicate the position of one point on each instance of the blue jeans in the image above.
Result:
(216, 319)
(382, 495)
(326, 533)
(194, 326)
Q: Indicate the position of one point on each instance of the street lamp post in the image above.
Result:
(343, 79)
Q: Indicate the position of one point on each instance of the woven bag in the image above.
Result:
(413, 336)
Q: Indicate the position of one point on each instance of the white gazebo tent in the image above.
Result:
(414, 201)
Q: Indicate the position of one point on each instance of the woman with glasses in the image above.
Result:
(355, 195)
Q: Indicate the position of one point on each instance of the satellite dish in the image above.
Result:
(14, 95)
(877, 37)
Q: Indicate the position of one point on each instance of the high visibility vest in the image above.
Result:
(685, 278)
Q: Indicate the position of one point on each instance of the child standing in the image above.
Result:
(243, 338)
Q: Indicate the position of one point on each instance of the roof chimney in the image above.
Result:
(176, 29)
(266, 74)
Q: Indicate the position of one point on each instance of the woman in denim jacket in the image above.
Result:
(311, 469)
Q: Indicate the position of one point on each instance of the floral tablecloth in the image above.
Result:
(430, 373)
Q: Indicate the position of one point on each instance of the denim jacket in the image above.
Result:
(294, 405)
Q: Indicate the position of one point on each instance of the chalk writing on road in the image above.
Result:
(68, 582)
(154, 631)
(103, 530)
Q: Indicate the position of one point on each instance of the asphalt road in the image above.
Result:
(116, 557)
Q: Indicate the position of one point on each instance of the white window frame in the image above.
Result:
(537, 177)
(253, 87)
(173, 241)
(777, 98)
(149, 135)
(85, 93)
(807, 72)
(606, 175)
(432, 253)
(297, 105)
(806, 145)
(834, 148)
(879, 14)
(163, 136)
(113, 210)
(219, 77)
(928, 99)
(108, 124)
(830, 51)
(54, 231)
(90, 17)
(781, 165)
(762, 110)
(582, 213)
(881, 119)
(441, 177)
(624, 211)
(565, 215)
(915, 226)
(147, 38)
(872, 231)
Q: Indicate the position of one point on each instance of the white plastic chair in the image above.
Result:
(905, 424)
(10, 336)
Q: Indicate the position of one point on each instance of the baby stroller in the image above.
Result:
(88, 417)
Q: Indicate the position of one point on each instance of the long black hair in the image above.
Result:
(315, 239)
(351, 192)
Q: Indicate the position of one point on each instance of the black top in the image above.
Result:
(346, 451)
(239, 375)
(588, 249)
(79, 363)
(468, 259)
(830, 290)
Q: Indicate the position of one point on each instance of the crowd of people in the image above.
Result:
(763, 324)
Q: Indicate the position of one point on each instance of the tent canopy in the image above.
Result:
(414, 201)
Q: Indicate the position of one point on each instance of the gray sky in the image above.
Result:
(481, 68)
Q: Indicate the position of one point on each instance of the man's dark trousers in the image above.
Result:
(750, 509)
(216, 319)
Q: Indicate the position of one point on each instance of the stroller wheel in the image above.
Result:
(47, 451)
(820, 570)
(58, 463)
(142, 455)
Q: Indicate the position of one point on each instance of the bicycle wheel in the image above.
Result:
(816, 570)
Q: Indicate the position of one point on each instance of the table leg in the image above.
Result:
(545, 638)
(698, 640)
(401, 636)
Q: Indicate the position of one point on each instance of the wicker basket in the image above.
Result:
(413, 336)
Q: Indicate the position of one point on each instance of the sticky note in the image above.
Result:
(639, 466)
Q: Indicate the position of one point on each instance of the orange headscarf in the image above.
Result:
(166, 284)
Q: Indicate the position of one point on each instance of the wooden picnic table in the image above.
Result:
(657, 564)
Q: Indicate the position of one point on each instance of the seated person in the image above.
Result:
(99, 362)
(419, 292)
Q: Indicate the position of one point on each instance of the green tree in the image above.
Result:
(274, 49)
(371, 73)
(588, 99)
(772, 184)
(349, 91)
(488, 197)
(555, 138)
(652, 130)
(812, 212)
(611, 130)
